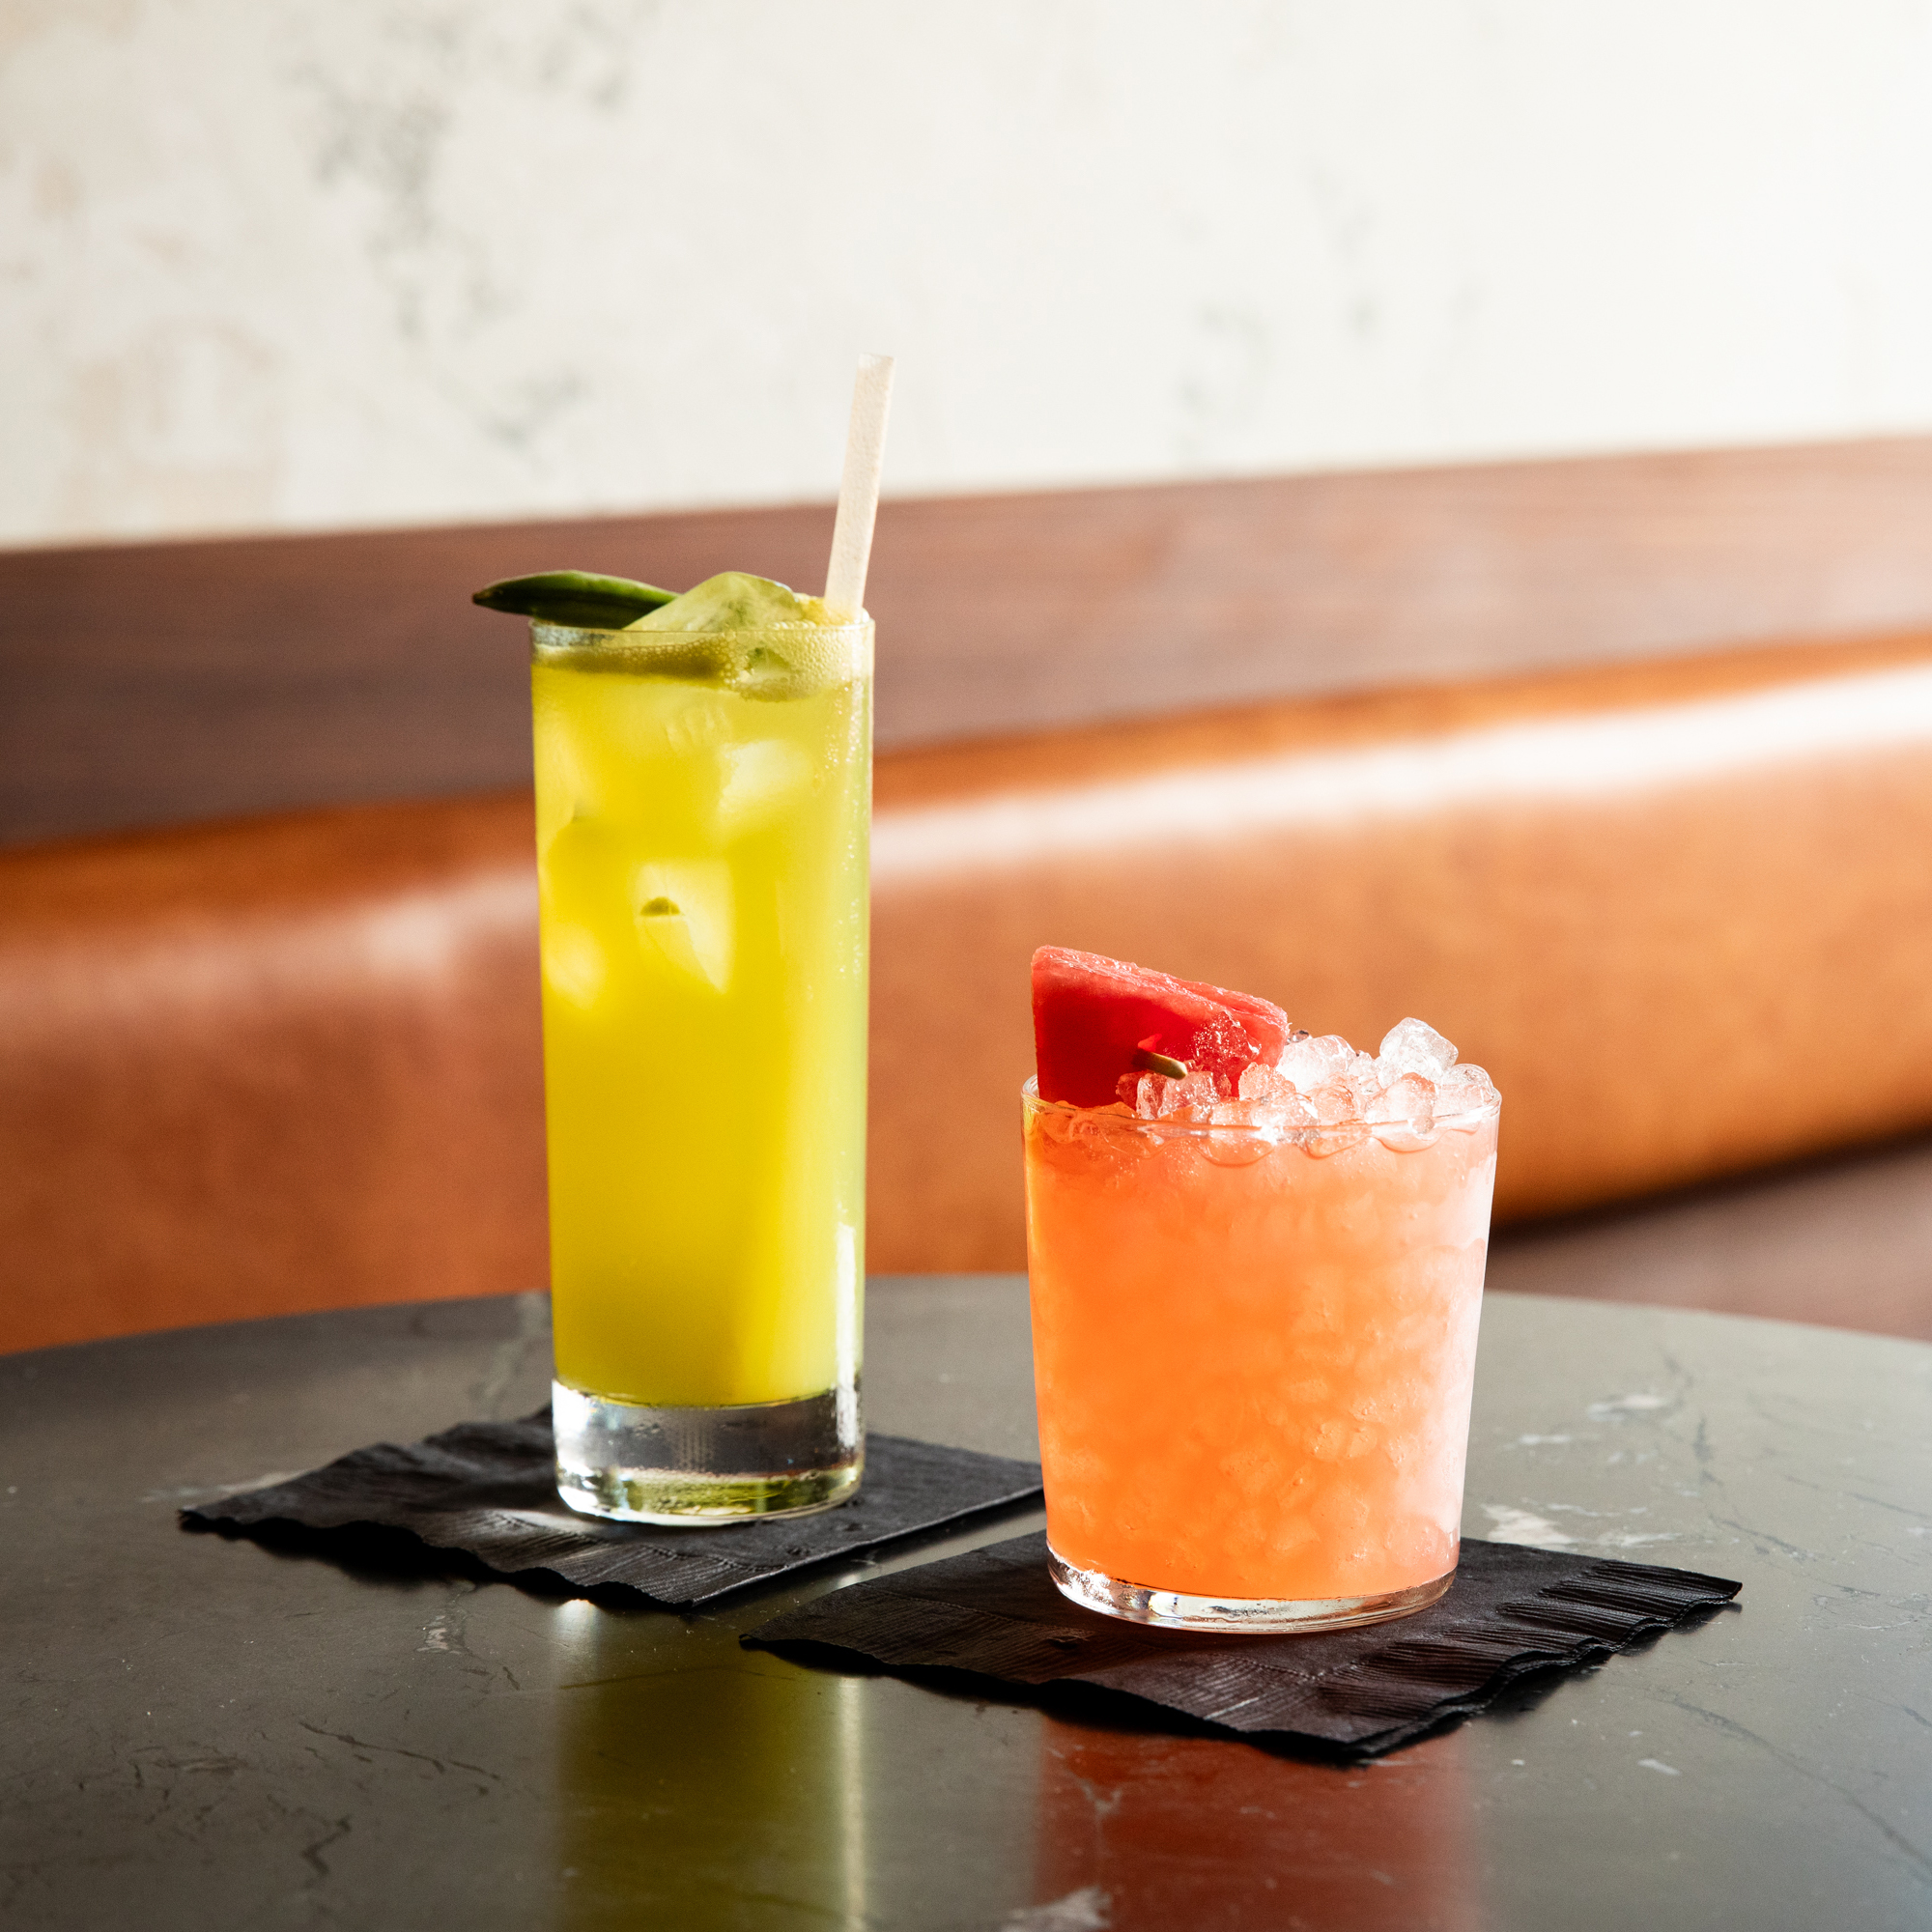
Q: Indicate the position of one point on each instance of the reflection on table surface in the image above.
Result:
(700, 1784)
(698, 1790)
(1145, 1833)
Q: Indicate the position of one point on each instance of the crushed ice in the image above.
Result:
(1405, 1094)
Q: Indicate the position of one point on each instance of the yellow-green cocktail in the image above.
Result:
(702, 792)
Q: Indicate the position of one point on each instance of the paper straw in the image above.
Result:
(858, 489)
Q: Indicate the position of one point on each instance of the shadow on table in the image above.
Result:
(373, 1553)
(380, 1553)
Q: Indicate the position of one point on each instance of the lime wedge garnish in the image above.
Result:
(575, 597)
(734, 600)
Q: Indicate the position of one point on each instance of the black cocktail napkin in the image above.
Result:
(994, 1613)
(488, 1489)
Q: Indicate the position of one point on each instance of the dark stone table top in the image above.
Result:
(204, 1733)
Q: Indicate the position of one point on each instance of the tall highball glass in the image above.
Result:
(703, 803)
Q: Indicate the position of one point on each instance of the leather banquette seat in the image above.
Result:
(1682, 911)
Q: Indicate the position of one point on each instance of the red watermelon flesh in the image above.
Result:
(1091, 1015)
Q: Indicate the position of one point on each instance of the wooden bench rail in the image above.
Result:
(154, 683)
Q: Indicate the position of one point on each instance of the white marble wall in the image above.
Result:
(272, 264)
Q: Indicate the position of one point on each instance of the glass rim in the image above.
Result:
(643, 640)
(772, 660)
(1464, 1117)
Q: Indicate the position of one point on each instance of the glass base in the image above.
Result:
(1174, 1610)
(695, 1466)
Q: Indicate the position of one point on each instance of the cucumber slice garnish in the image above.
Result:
(575, 597)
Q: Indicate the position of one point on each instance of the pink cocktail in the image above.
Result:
(1255, 1334)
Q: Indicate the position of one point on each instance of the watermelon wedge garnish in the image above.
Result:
(1095, 1019)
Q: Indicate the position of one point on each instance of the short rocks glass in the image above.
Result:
(1253, 1347)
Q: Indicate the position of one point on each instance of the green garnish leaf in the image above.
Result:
(579, 598)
